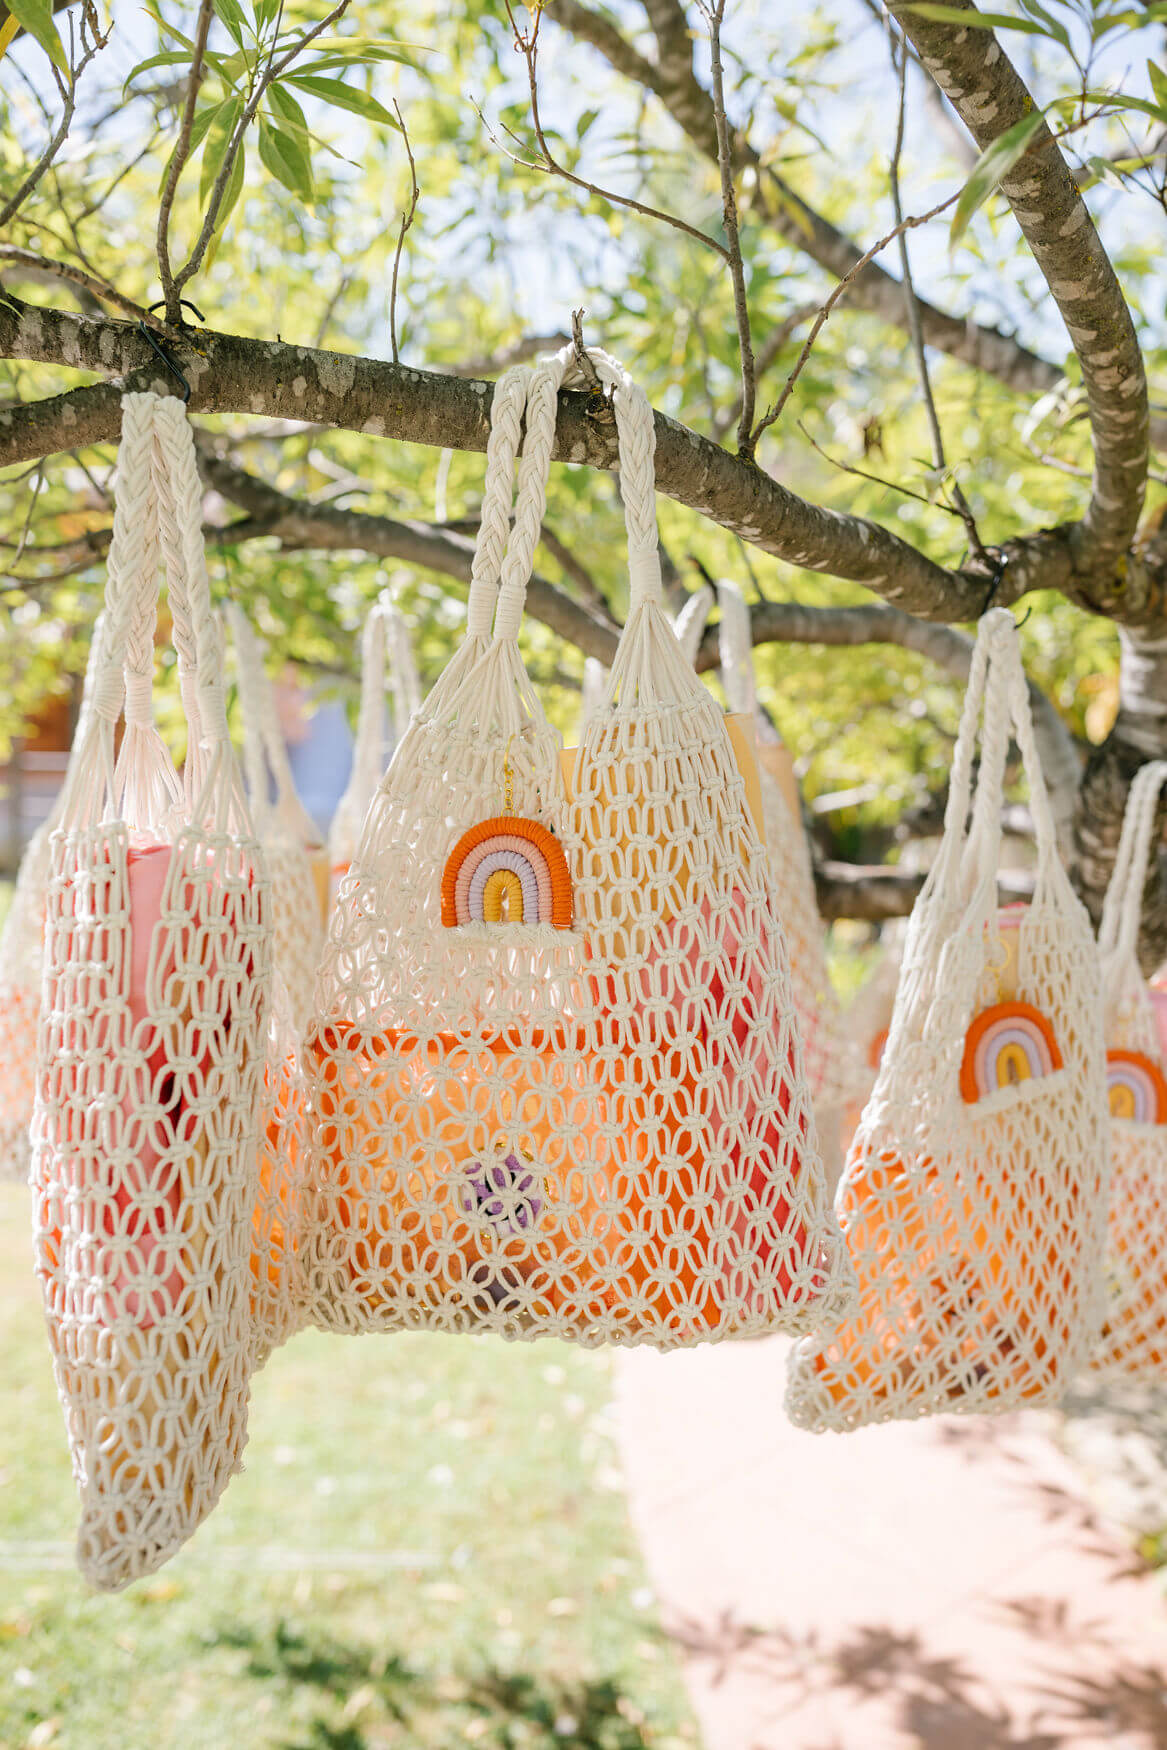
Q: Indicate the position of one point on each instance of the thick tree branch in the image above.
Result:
(989, 96)
(873, 290)
(950, 649)
(234, 374)
(332, 528)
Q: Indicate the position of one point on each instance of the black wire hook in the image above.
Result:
(995, 583)
(183, 304)
(176, 371)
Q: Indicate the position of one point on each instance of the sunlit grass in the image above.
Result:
(428, 1548)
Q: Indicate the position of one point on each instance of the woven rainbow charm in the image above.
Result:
(1005, 1045)
(1137, 1088)
(507, 870)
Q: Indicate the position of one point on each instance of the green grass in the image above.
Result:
(428, 1548)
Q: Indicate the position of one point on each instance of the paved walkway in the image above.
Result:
(942, 1585)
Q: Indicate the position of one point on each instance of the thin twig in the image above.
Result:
(714, 14)
(76, 276)
(178, 161)
(899, 61)
(764, 357)
(876, 479)
(910, 224)
(269, 74)
(406, 222)
(527, 43)
(68, 90)
(583, 357)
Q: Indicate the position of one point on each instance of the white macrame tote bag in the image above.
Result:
(974, 1198)
(385, 652)
(282, 825)
(1133, 1341)
(557, 1089)
(159, 1288)
(22, 965)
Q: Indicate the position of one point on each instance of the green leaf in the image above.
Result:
(1053, 28)
(994, 162)
(1102, 170)
(1115, 101)
(198, 131)
(232, 16)
(342, 96)
(978, 20)
(284, 157)
(36, 17)
(265, 11)
(1158, 84)
(219, 133)
(288, 111)
(231, 195)
(171, 58)
(584, 123)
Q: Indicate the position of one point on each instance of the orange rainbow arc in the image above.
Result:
(507, 870)
(1006, 1044)
(1136, 1087)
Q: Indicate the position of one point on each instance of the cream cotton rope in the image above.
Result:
(555, 1079)
(974, 1197)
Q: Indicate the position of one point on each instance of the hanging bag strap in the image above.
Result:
(403, 679)
(690, 623)
(248, 667)
(1118, 934)
(142, 787)
(490, 544)
(736, 650)
(214, 785)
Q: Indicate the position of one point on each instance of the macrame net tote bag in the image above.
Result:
(22, 965)
(516, 1144)
(282, 825)
(1134, 1333)
(974, 1197)
(151, 1056)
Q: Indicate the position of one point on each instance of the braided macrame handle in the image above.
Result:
(143, 785)
(1118, 933)
(637, 438)
(531, 502)
(736, 649)
(996, 692)
(179, 477)
(494, 525)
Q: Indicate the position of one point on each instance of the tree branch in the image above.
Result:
(332, 528)
(234, 374)
(949, 649)
(989, 96)
(178, 158)
(873, 290)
